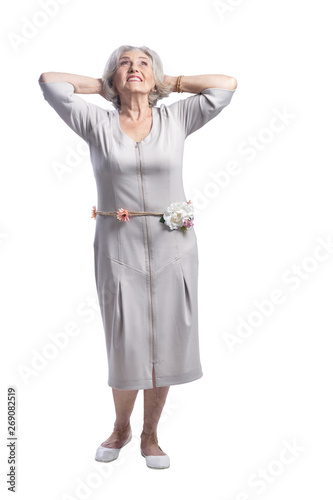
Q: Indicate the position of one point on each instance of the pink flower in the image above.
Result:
(188, 223)
(122, 215)
(93, 212)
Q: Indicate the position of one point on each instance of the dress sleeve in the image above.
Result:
(197, 110)
(81, 116)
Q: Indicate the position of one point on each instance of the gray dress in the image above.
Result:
(146, 274)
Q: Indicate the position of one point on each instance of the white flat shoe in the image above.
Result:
(157, 461)
(105, 454)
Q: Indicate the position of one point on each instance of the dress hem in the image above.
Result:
(160, 382)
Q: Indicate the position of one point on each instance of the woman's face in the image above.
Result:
(134, 73)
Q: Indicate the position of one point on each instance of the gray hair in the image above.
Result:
(161, 90)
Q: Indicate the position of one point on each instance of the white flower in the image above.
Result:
(176, 213)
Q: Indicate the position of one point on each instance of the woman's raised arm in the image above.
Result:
(195, 84)
(82, 84)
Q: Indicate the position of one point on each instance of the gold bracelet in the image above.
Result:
(179, 86)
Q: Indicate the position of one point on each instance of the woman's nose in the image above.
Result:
(133, 65)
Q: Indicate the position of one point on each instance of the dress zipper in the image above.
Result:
(144, 208)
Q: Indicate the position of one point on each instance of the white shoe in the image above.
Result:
(105, 454)
(157, 461)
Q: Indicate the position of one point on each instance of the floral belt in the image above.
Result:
(178, 215)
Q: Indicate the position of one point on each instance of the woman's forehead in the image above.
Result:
(134, 54)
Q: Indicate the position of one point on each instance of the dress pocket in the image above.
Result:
(189, 270)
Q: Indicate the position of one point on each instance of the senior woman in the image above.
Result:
(145, 246)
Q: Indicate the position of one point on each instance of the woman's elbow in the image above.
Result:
(233, 83)
(46, 77)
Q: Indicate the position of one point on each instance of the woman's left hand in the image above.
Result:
(170, 80)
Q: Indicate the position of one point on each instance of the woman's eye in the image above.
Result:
(125, 62)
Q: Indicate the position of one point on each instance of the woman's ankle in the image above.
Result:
(121, 426)
(148, 434)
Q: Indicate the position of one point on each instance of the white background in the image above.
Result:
(254, 234)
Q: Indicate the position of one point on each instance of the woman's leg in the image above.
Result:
(124, 404)
(154, 400)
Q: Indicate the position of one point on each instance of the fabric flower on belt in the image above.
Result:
(122, 215)
(179, 215)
